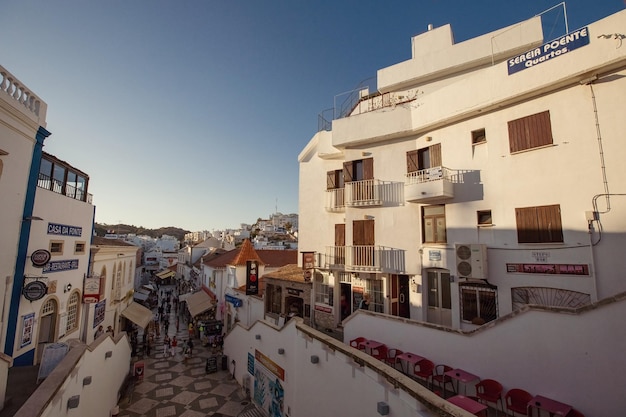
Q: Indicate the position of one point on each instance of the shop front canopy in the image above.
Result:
(166, 274)
(199, 302)
(138, 314)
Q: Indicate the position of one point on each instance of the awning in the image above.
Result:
(184, 297)
(138, 314)
(140, 296)
(199, 302)
(166, 274)
(148, 286)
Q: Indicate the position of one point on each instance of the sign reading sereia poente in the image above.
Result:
(549, 50)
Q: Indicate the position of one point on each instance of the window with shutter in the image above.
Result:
(530, 132)
(540, 224)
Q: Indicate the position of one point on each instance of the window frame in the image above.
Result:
(77, 251)
(324, 291)
(481, 218)
(479, 136)
(58, 252)
(477, 312)
(434, 218)
(72, 313)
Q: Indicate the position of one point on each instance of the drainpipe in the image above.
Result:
(20, 262)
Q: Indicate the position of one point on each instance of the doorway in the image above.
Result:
(400, 305)
(346, 297)
(439, 298)
(47, 326)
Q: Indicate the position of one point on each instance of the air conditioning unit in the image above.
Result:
(471, 260)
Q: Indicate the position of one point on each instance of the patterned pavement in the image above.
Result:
(172, 388)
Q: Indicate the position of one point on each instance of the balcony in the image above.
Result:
(335, 200)
(365, 193)
(75, 192)
(365, 258)
(429, 185)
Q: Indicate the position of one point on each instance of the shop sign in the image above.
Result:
(40, 257)
(57, 266)
(34, 291)
(252, 281)
(328, 310)
(64, 230)
(236, 302)
(293, 291)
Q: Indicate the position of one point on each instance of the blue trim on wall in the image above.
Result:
(20, 262)
(25, 359)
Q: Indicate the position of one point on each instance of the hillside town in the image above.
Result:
(457, 252)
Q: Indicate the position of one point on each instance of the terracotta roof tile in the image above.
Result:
(278, 258)
(246, 253)
(287, 273)
(100, 241)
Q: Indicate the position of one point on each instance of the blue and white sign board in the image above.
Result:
(549, 50)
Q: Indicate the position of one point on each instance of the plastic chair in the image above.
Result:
(516, 400)
(424, 370)
(391, 358)
(355, 342)
(441, 379)
(380, 353)
(490, 391)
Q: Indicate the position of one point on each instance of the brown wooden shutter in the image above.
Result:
(348, 171)
(549, 223)
(340, 234)
(368, 169)
(435, 155)
(527, 227)
(331, 180)
(363, 232)
(411, 161)
(368, 229)
(530, 132)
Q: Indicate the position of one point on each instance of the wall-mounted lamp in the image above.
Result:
(257, 336)
(67, 288)
(86, 380)
(29, 218)
(429, 138)
(73, 401)
(382, 408)
(108, 354)
(281, 351)
(364, 153)
(315, 359)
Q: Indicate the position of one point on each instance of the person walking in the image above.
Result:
(185, 352)
(174, 345)
(166, 346)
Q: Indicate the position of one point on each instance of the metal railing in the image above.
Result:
(56, 186)
(335, 199)
(363, 193)
(430, 174)
(363, 258)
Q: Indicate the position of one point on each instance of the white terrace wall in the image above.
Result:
(561, 354)
(98, 397)
(345, 381)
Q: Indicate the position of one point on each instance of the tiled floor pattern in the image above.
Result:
(172, 388)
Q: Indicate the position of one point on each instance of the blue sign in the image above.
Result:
(236, 302)
(57, 266)
(549, 50)
(64, 230)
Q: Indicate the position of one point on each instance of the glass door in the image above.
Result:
(439, 299)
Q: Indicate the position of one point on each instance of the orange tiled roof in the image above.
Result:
(278, 258)
(246, 253)
(100, 241)
(287, 273)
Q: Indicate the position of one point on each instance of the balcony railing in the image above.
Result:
(67, 190)
(363, 193)
(363, 258)
(335, 200)
(430, 184)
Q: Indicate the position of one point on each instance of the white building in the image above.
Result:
(479, 179)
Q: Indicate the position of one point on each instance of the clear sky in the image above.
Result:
(192, 113)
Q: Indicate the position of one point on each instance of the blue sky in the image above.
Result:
(192, 113)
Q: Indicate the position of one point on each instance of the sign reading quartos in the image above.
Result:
(549, 50)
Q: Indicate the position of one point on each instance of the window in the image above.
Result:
(539, 224)
(79, 248)
(334, 179)
(323, 291)
(434, 224)
(360, 175)
(424, 158)
(56, 247)
(116, 290)
(484, 217)
(103, 282)
(530, 132)
(478, 137)
(478, 303)
(72, 313)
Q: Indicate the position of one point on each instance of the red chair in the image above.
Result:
(356, 342)
(490, 391)
(392, 357)
(575, 413)
(516, 400)
(380, 353)
(424, 370)
(441, 379)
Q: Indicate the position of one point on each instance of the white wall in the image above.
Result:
(557, 354)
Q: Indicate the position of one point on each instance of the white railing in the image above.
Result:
(335, 199)
(429, 174)
(363, 193)
(15, 90)
(365, 258)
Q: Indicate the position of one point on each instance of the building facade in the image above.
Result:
(480, 177)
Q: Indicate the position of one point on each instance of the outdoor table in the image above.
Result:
(408, 361)
(369, 345)
(468, 404)
(539, 402)
(461, 376)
